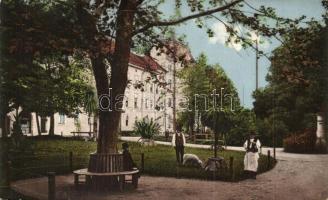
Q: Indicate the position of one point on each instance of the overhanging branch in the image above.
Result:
(183, 19)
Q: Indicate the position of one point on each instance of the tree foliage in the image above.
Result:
(297, 81)
(90, 26)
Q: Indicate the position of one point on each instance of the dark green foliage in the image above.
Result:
(297, 81)
(243, 123)
(227, 118)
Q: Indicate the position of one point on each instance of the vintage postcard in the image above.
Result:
(163, 99)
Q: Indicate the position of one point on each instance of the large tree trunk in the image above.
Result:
(95, 125)
(4, 167)
(3, 126)
(102, 85)
(38, 124)
(52, 125)
(109, 121)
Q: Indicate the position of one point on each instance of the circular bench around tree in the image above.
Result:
(106, 171)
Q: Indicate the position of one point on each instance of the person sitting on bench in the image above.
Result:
(128, 163)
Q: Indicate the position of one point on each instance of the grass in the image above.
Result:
(160, 161)
(43, 155)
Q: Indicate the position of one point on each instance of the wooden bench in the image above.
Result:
(121, 175)
(82, 134)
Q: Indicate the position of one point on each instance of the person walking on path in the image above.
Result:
(178, 142)
(252, 146)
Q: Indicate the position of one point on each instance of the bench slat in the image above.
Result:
(85, 172)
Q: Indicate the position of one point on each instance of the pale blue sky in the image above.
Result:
(240, 65)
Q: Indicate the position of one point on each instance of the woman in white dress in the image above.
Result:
(252, 146)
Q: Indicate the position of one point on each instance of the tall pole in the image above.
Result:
(215, 135)
(174, 96)
(257, 62)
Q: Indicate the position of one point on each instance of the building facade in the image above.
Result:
(149, 94)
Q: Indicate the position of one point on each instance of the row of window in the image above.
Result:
(148, 103)
(136, 119)
(62, 119)
(150, 88)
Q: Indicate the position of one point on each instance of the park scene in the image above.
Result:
(163, 99)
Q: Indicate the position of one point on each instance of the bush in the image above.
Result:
(301, 142)
(146, 128)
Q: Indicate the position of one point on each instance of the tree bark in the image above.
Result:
(95, 124)
(4, 167)
(38, 124)
(3, 126)
(102, 85)
(52, 125)
(109, 121)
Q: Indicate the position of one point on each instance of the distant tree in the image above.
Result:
(224, 116)
(297, 78)
(195, 83)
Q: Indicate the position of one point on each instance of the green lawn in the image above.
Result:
(44, 155)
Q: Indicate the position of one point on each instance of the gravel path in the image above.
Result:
(294, 177)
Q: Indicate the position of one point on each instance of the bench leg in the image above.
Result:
(135, 178)
(121, 182)
(88, 180)
(76, 179)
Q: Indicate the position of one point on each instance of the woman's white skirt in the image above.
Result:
(251, 161)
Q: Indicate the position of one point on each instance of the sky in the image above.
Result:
(238, 63)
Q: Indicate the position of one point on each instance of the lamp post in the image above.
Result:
(256, 62)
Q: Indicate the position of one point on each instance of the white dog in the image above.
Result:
(192, 160)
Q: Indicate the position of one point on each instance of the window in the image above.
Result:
(127, 120)
(170, 83)
(156, 89)
(135, 102)
(43, 124)
(146, 103)
(126, 103)
(151, 87)
(169, 121)
(170, 102)
(76, 119)
(61, 118)
(151, 104)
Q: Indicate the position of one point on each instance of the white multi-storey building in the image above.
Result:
(149, 95)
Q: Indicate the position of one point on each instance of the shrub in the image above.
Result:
(146, 128)
(301, 142)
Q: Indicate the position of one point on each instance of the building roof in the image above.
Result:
(146, 62)
(177, 49)
(143, 61)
